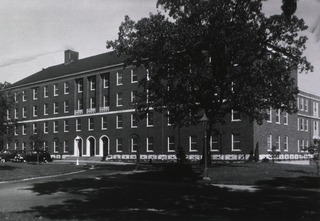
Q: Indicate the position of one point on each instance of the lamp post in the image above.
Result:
(78, 152)
(204, 121)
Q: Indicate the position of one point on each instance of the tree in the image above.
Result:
(315, 151)
(6, 124)
(36, 143)
(214, 57)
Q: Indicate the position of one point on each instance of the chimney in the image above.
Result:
(70, 56)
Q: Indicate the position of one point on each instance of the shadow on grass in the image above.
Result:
(144, 197)
(301, 171)
(298, 182)
(7, 167)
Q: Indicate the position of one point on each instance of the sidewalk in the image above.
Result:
(84, 162)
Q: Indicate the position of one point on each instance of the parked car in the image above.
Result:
(7, 155)
(31, 156)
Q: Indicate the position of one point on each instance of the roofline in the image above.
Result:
(65, 76)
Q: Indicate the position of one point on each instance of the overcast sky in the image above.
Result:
(35, 33)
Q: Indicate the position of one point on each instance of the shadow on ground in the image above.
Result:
(7, 167)
(142, 196)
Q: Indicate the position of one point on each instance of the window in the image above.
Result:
(316, 128)
(24, 98)
(55, 90)
(148, 75)
(134, 144)
(119, 78)
(105, 101)
(92, 102)
(16, 113)
(24, 112)
(301, 103)
(150, 147)
(150, 122)
(92, 82)
(278, 143)
(55, 146)
(306, 105)
(79, 85)
(278, 116)
(134, 77)
(66, 126)
(300, 145)
(23, 145)
(66, 88)
(24, 129)
(8, 115)
(66, 106)
(90, 124)
(235, 115)
(301, 124)
(214, 142)
(105, 80)
(78, 124)
(16, 144)
(15, 129)
(269, 142)
(35, 111)
(133, 97)
(104, 123)
(170, 121)
(306, 125)
(306, 145)
(55, 108)
(45, 127)
(79, 104)
(134, 122)
(55, 126)
(15, 97)
(34, 128)
(45, 91)
(65, 146)
(45, 109)
(235, 142)
(171, 145)
(119, 99)
(45, 145)
(119, 122)
(35, 93)
(315, 109)
(269, 112)
(286, 119)
(119, 144)
(193, 144)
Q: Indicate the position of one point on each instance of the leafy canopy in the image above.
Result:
(214, 56)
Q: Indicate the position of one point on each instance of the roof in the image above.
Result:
(61, 70)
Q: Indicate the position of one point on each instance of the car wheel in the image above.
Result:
(3, 160)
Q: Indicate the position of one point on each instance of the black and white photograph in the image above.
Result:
(191, 110)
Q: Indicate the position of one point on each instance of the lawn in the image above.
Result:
(17, 171)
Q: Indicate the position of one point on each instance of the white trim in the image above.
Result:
(88, 146)
(147, 144)
(101, 145)
(132, 126)
(309, 97)
(168, 144)
(278, 116)
(309, 116)
(102, 121)
(79, 116)
(55, 90)
(190, 143)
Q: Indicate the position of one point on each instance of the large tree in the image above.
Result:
(214, 57)
(6, 125)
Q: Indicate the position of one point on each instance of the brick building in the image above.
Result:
(84, 108)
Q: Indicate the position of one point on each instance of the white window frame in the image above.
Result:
(15, 129)
(278, 116)
(24, 96)
(45, 127)
(286, 144)
(131, 144)
(104, 121)
(80, 86)
(233, 112)
(79, 101)
(34, 128)
(55, 146)
(46, 91)
(269, 112)
(24, 111)
(34, 94)
(134, 119)
(134, 74)
(316, 128)
(55, 108)
(301, 103)
(306, 105)
(45, 109)
(55, 127)
(148, 144)
(66, 88)
(306, 125)
(78, 123)
(191, 142)
(8, 115)
(278, 143)
(119, 99)
(132, 97)
(170, 143)
(55, 90)
(315, 109)
(117, 121)
(16, 113)
(232, 142)
(90, 123)
(66, 126)
(105, 99)
(211, 142)
(105, 81)
(269, 142)
(23, 129)
(119, 78)
(66, 107)
(34, 111)
(117, 145)
(93, 83)
(150, 124)
(286, 119)
(65, 144)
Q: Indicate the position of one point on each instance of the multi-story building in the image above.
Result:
(85, 108)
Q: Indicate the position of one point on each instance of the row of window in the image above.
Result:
(303, 105)
(55, 144)
(278, 117)
(282, 143)
(91, 124)
(79, 86)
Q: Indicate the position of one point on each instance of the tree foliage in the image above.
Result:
(214, 56)
(6, 102)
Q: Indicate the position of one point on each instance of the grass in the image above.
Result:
(16, 171)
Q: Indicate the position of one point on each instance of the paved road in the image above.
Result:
(19, 196)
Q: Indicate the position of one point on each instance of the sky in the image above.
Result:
(35, 33)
